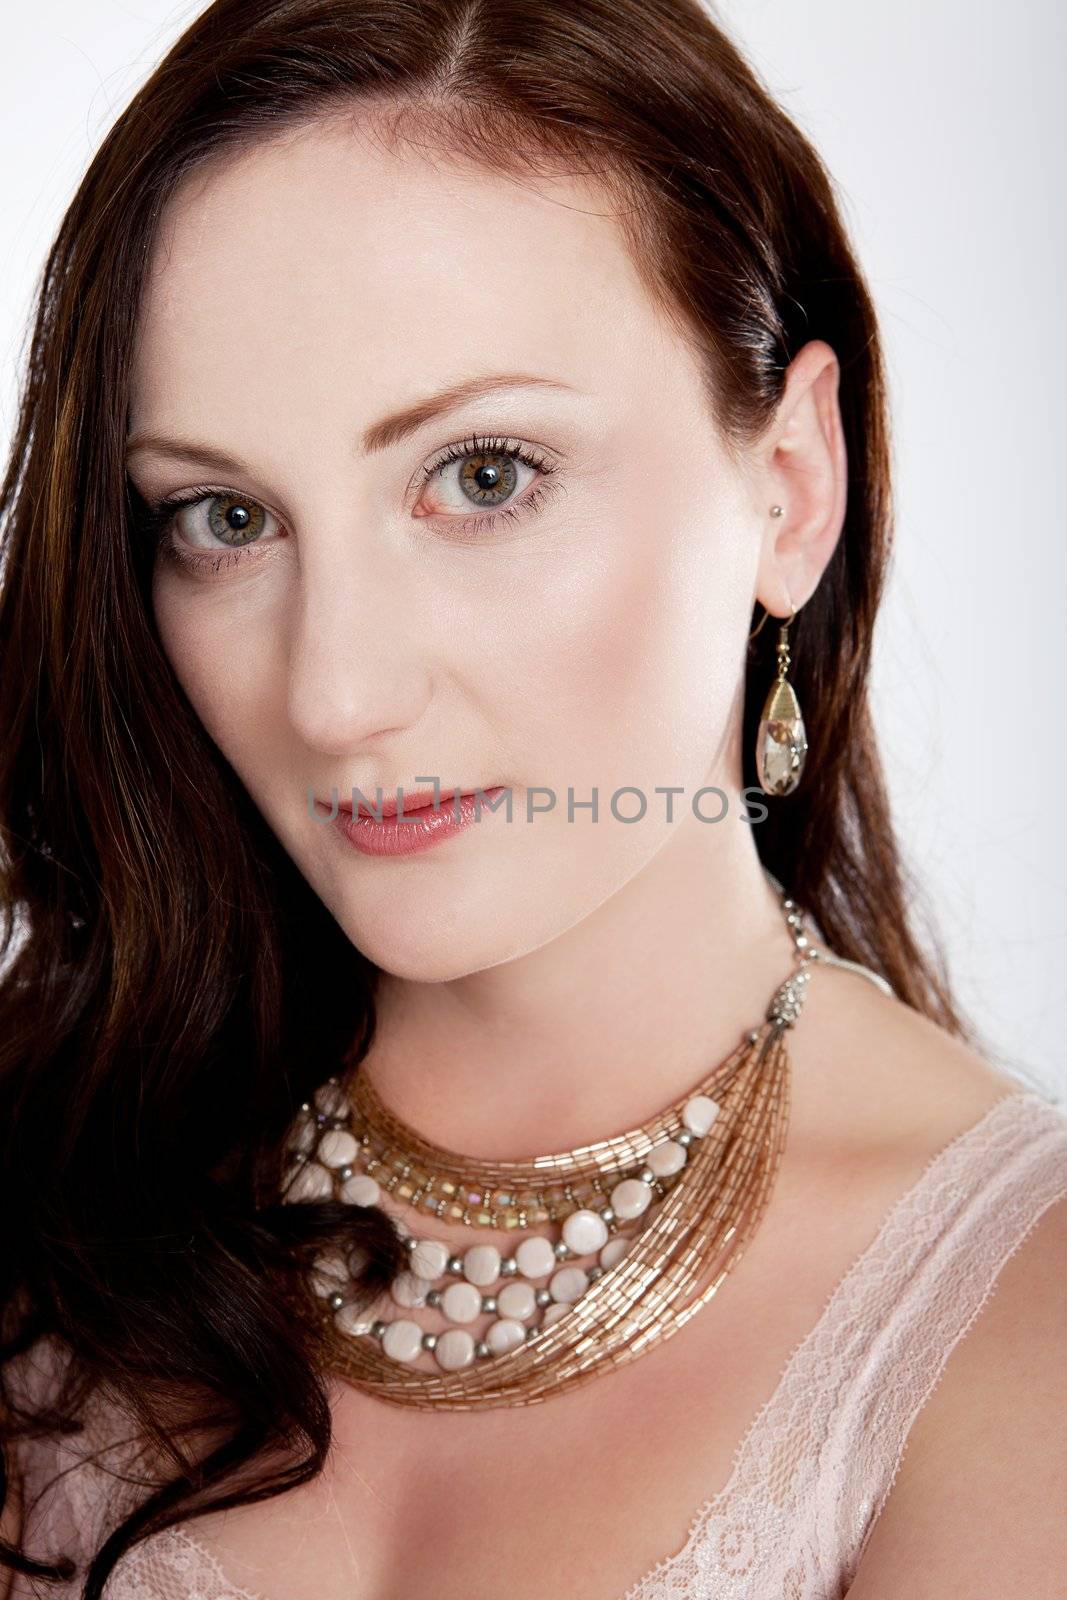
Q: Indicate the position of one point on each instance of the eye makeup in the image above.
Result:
(156, 522)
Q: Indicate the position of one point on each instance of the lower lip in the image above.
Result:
(416, 830)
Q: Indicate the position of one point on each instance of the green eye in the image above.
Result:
(234, 519)
(488, 478)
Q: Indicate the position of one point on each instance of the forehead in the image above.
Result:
(322, 263)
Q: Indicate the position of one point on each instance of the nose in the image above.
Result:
(357, 666)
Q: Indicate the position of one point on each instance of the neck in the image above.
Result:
(599, 1029)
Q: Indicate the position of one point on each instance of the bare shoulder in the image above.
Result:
(970, 1513)
(882, 1080)
(976, 1507)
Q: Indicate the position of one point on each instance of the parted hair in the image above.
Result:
(171, 989)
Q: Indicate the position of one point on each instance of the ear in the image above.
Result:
(802, 466)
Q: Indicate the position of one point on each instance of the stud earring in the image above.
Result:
(781, 742)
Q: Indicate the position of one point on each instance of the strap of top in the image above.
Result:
(936, 1265)
(817, 1463)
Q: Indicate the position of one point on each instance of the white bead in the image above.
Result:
(454, 1348)
(337, 1148)
(568, 1283)
(429, 1259)
(505, 1335)
(330, 1272)
(584, 1232)
(613, 1252)
(360, 1190)
(481, 1264)
(409, 1290)
(312, 1182)
(553, 1313)
(352, 1321)
(305, 1135)
(630, 1198)
(330, 1098)
(461, 1302)
(667, 1158)
(699, 1114)
(402, 1340)
(517, 1300)
(536, 1257)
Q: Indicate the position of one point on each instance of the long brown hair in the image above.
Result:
(173, 988)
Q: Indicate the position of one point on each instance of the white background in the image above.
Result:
(941, 122)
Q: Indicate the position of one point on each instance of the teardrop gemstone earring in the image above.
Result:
(781, 742)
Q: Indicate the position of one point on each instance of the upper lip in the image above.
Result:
(413, 800)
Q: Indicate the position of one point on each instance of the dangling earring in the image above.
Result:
(781, 743)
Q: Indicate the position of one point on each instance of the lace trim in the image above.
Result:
(819, 1367)
(976, 1311)
(173, 1565)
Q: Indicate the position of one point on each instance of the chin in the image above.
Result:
(430, 942)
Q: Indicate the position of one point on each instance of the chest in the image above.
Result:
(582, 1494)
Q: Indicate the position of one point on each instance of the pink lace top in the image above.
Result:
(816, 1464)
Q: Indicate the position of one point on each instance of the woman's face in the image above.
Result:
(355, 609)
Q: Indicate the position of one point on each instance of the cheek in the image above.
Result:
(224, 669)
(632, 654)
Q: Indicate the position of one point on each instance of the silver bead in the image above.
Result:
(531, 1330)
(593, 1273)
(433, 1297)
(410, 1242)
(608, 1214)
(344, 1173)
(455, 1264)
(562, 1249)
(488, 1302)
(378, 1329)
(482, 1349)
(646, 1175)
(429, 1340)
(336, 1300)
(684, 1138)
(753, 1035)
(509, 1267)
(542, 1297)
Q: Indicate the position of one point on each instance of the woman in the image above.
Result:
(482, 399)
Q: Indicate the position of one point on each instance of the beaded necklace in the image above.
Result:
(649, 1222)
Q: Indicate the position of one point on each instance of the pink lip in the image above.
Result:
(414, 800)
(419, 825)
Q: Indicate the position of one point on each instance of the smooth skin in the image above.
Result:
(548, 983)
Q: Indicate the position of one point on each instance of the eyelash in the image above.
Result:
(156, 523)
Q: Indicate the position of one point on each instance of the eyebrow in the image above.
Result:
(378, 436)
